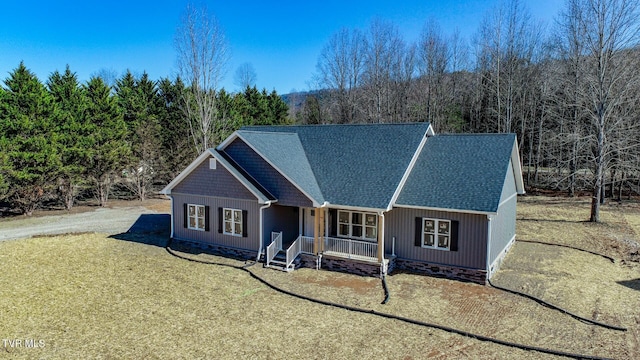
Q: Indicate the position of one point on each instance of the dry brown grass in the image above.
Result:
(89, 296)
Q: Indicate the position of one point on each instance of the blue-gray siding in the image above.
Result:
(212, 236)
(266, 175)
(503, 225)
(282, 218)
(472, 234)
(217, 182)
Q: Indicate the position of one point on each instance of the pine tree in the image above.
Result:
(4, 164)
(175, 137)
(74, 133)
(278, 109)
(28, 141)
(140, 102)
(109, 149)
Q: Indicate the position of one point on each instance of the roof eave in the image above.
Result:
(465, 211)
(517, 168)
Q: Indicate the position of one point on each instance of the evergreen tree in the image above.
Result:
(278, 109)
(259, 108)
(175, 137)
(229, 113)
(140, 102)
(27, 140)
(109, 149)
(73, 133)
(3, 155)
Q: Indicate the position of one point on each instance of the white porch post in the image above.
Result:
(301, 211)
(381, 237)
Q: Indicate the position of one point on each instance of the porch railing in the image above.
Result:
(352, 249)
(292, 252)
(306, 244)
(274, 247)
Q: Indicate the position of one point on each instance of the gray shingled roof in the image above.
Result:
(353, 165)
(286, 153)
(462, 172)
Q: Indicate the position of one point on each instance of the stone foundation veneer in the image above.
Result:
(234, 253)
(334, 263)
(477, 276)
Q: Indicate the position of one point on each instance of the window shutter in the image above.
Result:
(220, 217)
(206, 219)
(333, 216)
(454, 236)
(418, 234)
(185, 216)
(244, 223)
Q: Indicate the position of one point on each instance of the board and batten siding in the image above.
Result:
(472, 235)
(285, 219)
(266, 175)
(252, 208)
(503, 225)
(218, 182)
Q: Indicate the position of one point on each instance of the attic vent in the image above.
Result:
(212, 163)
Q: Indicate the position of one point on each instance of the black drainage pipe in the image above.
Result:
(386, 290)
(568, 247)
(555, 307)
(394, 317)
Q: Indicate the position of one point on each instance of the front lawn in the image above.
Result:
(92, 296)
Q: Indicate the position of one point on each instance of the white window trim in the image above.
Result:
(233, 223)
(364, 226)
(196, 217)
(435, 235)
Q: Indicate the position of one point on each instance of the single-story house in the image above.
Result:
(365, 198)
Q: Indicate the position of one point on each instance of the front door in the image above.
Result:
(309, 221)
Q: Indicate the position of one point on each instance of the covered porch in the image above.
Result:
(348, 234)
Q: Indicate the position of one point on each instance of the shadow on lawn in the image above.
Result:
(151, 229)
(632, 284)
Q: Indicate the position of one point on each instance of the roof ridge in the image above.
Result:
(267, 132)
(248, 127)
(474, 134)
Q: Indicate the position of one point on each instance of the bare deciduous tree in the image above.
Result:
(245, 76)
(606, 31)
(203, 54)
(340, 67)
(384, 54)
(433, 63)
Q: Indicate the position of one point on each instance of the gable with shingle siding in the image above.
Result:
(218, 182)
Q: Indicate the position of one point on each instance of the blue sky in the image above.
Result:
(281, 40)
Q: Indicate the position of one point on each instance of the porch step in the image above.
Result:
(279, 262)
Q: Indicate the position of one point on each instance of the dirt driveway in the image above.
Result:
(120, 218)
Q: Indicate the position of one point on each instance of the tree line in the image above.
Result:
(62, 140)
(569, 91)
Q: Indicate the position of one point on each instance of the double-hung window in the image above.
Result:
(232, 222)
(196, 217)
(436, 233)
(360, 225)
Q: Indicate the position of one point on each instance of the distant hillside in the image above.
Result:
(296, 100)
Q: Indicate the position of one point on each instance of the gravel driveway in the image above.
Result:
(101, 220)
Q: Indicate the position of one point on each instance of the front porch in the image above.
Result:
(330, 236)
(347, 255)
